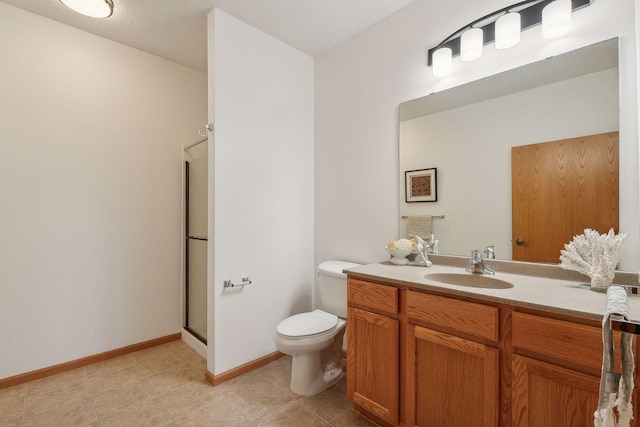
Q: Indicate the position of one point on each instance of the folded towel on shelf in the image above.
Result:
(419, 225)
(604, 415)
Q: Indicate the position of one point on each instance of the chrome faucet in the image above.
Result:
(476, 264)
(490, 252)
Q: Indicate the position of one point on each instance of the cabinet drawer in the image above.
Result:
(466, 317)
(573, 342)
(371, 295)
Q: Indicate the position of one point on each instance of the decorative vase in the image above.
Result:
(398, 256)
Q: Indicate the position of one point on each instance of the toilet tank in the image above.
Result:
(331, 295)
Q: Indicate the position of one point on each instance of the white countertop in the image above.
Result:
(544, 294)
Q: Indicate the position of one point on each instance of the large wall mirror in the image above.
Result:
(467, 134)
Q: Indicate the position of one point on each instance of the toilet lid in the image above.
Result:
(304, 324)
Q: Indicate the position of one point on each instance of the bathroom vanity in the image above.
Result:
(526, 351)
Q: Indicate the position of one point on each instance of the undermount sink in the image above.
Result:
(469, 279)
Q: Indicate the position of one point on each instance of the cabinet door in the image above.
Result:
(372, 363)
(548, 395)
(456, 381)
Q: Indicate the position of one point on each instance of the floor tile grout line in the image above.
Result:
(311, 409)
(93, 402)
(158, 394)
(142, 372)
(161, 400)
(231, 403)
(301, 401)
(160, 397)
(24, 406)
(242, 414)
(267, 413)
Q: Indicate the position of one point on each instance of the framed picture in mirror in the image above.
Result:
(421, 185)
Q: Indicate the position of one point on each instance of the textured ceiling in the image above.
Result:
(177, 29)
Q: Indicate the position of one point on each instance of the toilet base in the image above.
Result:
(308, 366)
(314, 372)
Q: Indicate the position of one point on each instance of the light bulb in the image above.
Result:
(441, 61)
(508, 30)
(91, 8)
(556, 19)
(471, 44)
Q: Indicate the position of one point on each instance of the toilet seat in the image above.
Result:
(304, 325)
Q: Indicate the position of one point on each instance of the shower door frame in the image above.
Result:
(188, 238)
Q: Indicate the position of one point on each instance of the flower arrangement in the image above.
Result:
(595, 255)
(402, 244)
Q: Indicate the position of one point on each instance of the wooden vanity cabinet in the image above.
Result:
(452, 362)
(416, 358)
(545, 394)
(373, 349)
(556, 371)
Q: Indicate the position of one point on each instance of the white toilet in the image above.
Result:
(314, 339)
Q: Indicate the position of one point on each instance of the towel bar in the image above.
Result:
(432, 217)
(230, 284)
(618, 323)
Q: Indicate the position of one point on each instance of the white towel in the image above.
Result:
(604, 415)
(419, 225)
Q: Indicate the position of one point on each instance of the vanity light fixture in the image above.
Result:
(504, 27)
(91, 8)
(508, 28)
(442, 62)
(556, 19)
(471, 43)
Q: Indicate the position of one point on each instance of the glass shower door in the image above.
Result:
(196, 248)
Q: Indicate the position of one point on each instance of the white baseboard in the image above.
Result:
(194, 343)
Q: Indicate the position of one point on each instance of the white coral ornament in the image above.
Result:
(595, 255)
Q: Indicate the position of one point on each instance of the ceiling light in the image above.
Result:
(508, 30)
(471, 44)
(91, 8)
(556, 19)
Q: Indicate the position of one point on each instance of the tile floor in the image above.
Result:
(165, 386)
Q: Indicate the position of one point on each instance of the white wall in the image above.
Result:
(90, 191)
(472, 145)
(261, 101)
(360, 83)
